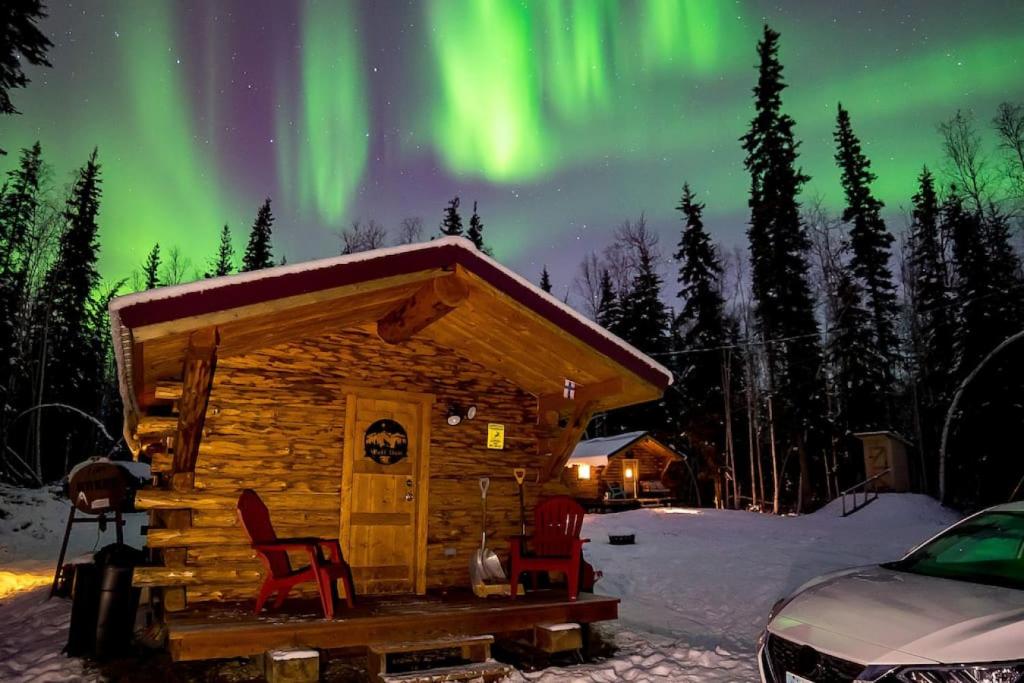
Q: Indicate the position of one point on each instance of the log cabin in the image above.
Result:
(626, 470)
(274, 380)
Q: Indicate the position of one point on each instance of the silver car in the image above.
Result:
(951, 611)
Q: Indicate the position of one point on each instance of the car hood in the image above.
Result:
(876, 615)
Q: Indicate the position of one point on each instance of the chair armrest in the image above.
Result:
(334, 546)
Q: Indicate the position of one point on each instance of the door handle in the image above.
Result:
(408, 493)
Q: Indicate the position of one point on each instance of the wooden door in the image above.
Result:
(630, 473)
(384, 492)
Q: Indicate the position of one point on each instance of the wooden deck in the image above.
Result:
(222, 630)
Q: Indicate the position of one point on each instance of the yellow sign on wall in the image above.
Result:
(495, 436)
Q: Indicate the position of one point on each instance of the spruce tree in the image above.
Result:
(983, 460)
(18, 208)
(68, 342)
(476, 232)
(778, 260)
(151, 268)
(854, 361)
(701, 321)
(545, 280)
(21, 42)
(609, 312)
(986, 274)
(870, 243)
(644, 322)
(259, 253)
(931, 319)
(451, 224)
(20, 202)
(224, 262)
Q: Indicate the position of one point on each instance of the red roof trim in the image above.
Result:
(229, 295)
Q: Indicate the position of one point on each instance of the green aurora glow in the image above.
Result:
(563, 117)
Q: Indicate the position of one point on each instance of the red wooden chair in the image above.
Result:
(281, 577)
(555, 545)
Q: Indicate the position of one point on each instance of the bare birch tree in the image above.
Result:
(410, 231)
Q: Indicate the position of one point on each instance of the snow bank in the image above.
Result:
(32, 523)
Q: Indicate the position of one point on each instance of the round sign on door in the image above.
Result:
(386, 442)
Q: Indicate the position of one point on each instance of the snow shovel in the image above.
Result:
(484, 565)
(520, 474)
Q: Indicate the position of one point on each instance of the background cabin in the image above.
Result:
(625, 470)
(329, 388)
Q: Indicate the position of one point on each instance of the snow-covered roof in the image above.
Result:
(209, 286)
(595, 452)
(167, 305)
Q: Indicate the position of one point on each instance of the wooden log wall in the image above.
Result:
(584, 489)
(651, 463)
(275, 423)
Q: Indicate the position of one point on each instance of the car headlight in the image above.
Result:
(997, 672)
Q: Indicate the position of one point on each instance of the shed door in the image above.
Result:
(384, 495)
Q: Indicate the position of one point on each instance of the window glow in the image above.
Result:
(629, 473)
(583, 472)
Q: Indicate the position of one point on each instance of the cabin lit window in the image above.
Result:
(629, 473)
(583, 472)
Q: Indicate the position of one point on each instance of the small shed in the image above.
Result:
(638, 464)
(885, 457)
(299, 381)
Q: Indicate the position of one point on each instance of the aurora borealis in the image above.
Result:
(561, 117)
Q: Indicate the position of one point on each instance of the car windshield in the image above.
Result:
(988, 548)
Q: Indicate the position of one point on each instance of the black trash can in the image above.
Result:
(85, 600)
(104, 603)
(118, 600)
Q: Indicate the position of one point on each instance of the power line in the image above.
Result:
(737, 345)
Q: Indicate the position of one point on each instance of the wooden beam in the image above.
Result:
(197, 374)
(168, 390)
(155, 427)
(187, 324)
(202, 637)
(159, 499)
(193, 536)
(559, 448)
(585, 393)
(430, 303)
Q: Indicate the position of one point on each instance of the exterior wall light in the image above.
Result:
(456, 414)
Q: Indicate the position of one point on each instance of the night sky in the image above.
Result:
(562, 118)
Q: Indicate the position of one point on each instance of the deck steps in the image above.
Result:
(475, 649)
(489, 672)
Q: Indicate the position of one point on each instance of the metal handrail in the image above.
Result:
(864, 488)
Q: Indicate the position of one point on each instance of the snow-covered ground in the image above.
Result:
(696, 588)
(33, 630)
